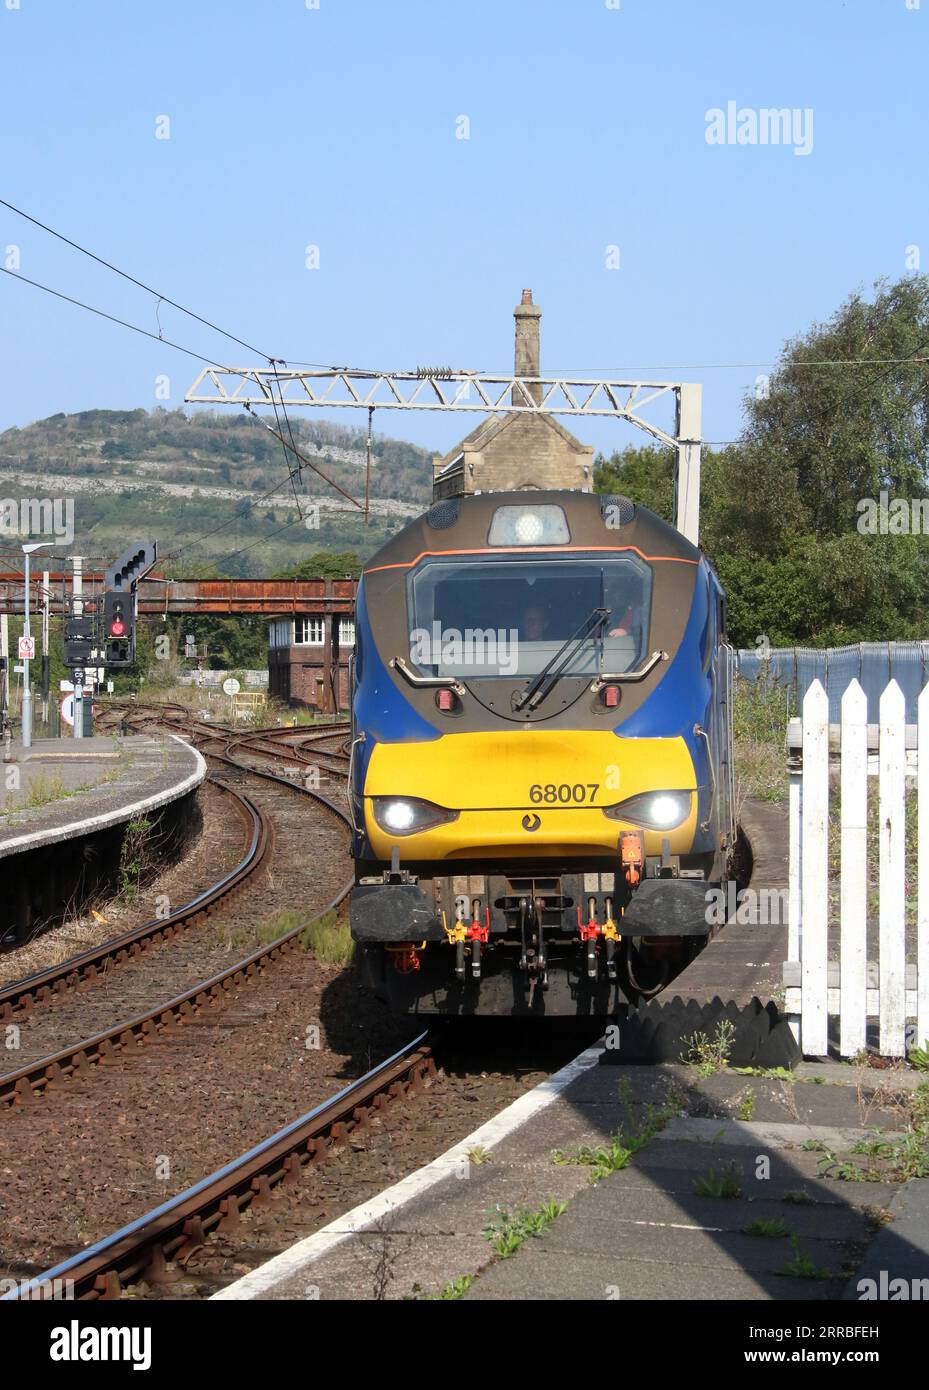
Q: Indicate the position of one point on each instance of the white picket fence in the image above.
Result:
(855, 989)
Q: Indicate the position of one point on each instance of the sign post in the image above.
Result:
(232, 687)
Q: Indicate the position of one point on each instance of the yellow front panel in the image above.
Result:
(495, 779)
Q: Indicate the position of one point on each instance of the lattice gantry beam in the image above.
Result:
(408, 391)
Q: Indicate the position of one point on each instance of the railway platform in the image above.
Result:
(64, 806)
(686, 1177)
(541, 1202)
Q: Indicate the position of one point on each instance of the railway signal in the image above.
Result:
(119, 602)
(79, 640)
(119, 629)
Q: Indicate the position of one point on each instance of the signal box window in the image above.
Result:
(310, 632)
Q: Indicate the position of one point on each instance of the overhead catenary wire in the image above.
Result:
(123, 323)
(163, 298)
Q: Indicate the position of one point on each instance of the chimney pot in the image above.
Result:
(527, 316)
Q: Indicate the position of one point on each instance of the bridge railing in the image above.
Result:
(858, 938)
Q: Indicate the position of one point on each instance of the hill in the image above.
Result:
(178, 477)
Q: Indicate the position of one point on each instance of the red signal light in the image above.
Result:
(117, 628)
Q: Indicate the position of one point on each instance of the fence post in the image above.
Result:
(853, 908)
(815, 883)
(892, 763)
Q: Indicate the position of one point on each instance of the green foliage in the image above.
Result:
(779, 509)
(454, 1290)
(801, 1266)
(770, 1073)
(329, 939)
(135, 857)
(724, 1185)
(710, 1055)
(611, 1157)
(644, 475)
(748, 1105)
(508, 1232)
(766, 1230)
(798, 1197)
(321, 565)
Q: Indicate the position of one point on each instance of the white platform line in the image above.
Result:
(313, 1247)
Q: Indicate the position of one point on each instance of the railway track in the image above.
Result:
(43, 986)
(178, 1228)
(63, 1055)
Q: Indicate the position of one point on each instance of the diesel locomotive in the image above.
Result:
(541, 772)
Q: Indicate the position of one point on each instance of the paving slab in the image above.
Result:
(899, 1252)
(537, 1274)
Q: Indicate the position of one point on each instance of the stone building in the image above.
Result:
(516, 450)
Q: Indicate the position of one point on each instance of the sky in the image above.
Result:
(440, 157)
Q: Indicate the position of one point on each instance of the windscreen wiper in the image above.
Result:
(535, 693)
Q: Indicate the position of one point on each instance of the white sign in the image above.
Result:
(67, 709)
(231, 686)
(26, 649)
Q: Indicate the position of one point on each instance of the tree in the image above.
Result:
(827, 436)
(324, 565)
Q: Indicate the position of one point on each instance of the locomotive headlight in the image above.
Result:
(406, 815)
(529, 528)
(653, 810)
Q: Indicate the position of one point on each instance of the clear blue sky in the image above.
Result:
(336, 127)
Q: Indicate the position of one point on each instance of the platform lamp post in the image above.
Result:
(27, 692)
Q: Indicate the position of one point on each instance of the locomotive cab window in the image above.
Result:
(502, 618)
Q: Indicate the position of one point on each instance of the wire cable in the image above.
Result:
(123, 323)
(132, 279)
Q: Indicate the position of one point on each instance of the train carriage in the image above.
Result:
(540, 775)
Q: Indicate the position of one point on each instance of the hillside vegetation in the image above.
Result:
(176, 477)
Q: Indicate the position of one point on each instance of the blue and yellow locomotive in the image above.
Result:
(541, 756)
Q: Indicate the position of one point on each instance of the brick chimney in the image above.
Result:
(527, 316)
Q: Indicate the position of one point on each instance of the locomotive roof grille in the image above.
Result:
(616, 510)
(441, 515)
